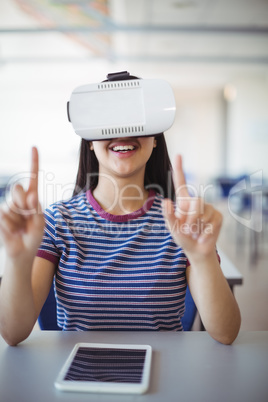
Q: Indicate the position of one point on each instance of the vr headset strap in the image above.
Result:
(120, 76)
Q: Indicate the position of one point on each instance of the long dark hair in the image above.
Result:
(157, 172)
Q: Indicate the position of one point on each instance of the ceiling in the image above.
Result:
(205, 31)
(178, 31)
(48, 47)
(159, 35)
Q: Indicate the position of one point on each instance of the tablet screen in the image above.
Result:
(93, 367)
(107, 365)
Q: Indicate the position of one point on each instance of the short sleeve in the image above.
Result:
(48, 249)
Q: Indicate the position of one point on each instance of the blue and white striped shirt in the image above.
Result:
(114, 272)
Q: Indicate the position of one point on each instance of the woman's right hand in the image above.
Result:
(22, 222)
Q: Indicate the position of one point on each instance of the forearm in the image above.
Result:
(215, 302)
(17, 309)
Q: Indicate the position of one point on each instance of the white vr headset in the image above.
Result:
(121, 107)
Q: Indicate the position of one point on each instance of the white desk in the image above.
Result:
(231, 273)
(186, 367)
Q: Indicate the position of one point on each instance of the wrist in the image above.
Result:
(206, 260)
(19, 263)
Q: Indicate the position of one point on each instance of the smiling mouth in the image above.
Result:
(123, 148)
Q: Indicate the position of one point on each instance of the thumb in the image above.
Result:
(32, 203)
(34, 207)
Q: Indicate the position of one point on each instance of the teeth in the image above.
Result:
(123, 148)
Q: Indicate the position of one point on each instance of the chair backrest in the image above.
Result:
(47, 319)
(48, 316)
(190, 311)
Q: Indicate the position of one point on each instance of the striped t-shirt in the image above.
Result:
(114, 272)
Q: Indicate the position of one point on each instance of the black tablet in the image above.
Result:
(93, 367)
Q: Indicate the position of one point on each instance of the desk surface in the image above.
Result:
(231, 273)
(188, 366)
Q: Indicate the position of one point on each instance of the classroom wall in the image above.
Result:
(248, 126)
(198, 132)
(218, 137)
(33, 112)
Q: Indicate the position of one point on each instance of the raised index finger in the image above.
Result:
(33, 184)
(179, 178)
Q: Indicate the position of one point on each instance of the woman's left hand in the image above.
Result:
(194, 224)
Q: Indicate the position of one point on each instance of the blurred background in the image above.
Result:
(214, 53)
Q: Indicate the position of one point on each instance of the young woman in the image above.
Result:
(121, 252)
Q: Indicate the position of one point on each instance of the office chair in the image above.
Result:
(47, 319)
(190, 312)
